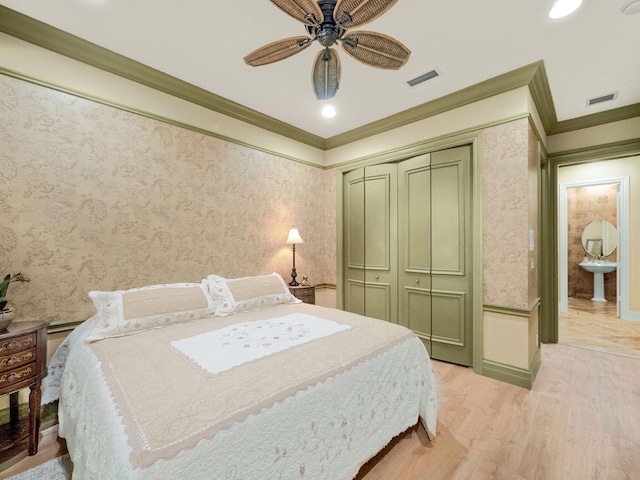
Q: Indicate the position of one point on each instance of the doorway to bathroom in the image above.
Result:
(593, 254)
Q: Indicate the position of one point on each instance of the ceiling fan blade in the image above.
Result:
(376, 49)
(326, 74)
(278, 50)
(306, 11)
(353, 13)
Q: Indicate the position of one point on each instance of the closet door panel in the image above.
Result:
(448, 214)
(451, 260)
(449, 305)
(378, 301)
(414, 245)
(354, 288)
(377, 221)
(416, 314)
(380, 220)
(354, 297)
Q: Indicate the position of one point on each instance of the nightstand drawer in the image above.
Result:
(23, 364)
(17, 344)
(17, 375)
(306, 293)
(15, 360)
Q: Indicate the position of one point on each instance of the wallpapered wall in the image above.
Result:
(508, 280)
(96, 198)
(585, 204)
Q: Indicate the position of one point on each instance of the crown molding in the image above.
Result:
(38, 33)
(533, 76)
(595, 119)
(625, 148)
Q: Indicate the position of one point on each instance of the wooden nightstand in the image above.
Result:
(23, 363)
(306, 293)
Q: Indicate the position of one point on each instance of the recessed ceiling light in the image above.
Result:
(329, 111)
(562, 8)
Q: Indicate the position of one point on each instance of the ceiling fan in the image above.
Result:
(327, 21)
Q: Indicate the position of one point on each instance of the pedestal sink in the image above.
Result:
(599, 268)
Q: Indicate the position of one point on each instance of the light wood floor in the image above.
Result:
(580, 421)
(595, 325)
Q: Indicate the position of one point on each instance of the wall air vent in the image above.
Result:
(423, 78)
(603, 98)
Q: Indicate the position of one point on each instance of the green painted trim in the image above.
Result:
(548, 278)
(530, 75)
(48, 413)
(64, 327)
(596, 153)
(541, 94)
(477, 205)
(340, 240)
(23, 411)
(326, 286)
(608, 116)
(535, 365)
(418, 148)
(153, 116)
(508, 373)
(38, 33)
(513, 311)
(549, 275)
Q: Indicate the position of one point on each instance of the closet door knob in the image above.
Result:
(377, 277)
(418, 281)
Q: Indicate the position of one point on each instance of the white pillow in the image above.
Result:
(248, 293)
(125, 312)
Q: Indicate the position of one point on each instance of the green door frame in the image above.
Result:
(549, 221)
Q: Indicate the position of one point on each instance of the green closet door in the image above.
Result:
(434, 241)
(370, 196)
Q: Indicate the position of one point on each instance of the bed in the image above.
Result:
(234, 379)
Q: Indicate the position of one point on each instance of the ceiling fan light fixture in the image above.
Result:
(327, 21)
(562, 8)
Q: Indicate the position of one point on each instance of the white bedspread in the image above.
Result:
(326, 427)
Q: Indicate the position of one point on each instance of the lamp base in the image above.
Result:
(293, 282)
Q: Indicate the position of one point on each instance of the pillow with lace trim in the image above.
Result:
(125, 312)
(248, 293)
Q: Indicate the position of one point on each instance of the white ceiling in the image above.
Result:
(593, 52)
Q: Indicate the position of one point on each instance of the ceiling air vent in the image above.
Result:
(423, 78)
(603, 98)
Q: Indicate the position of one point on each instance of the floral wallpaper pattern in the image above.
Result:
(506, 217)
(97, 198)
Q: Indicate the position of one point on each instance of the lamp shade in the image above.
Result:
(294, 237)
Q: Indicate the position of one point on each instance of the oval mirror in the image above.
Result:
(599, 238)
